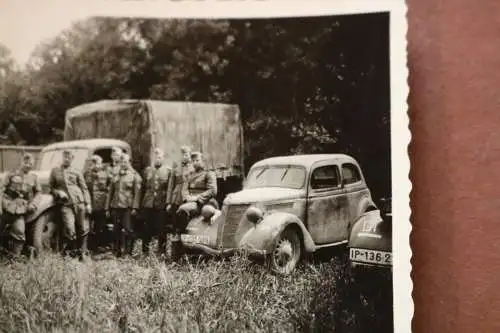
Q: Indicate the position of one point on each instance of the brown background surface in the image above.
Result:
(454, 61)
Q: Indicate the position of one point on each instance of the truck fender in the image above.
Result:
(263, 235)
(46, 202)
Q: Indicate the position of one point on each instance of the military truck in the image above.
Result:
(11, 155)
(138, 127)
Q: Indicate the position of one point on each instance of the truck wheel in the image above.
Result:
(44, 230)
(287, 252)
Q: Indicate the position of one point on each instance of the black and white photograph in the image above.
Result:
(204, 166)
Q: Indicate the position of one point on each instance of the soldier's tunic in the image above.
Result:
(20, 191)
(114, 169)
(180, 175)
(203, 185)
(71, 181)
(154, 202)
(98, 182)
(124, 196)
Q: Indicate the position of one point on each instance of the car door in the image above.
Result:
(355, 188)
(327, 213)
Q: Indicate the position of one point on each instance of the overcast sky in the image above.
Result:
(26, 23)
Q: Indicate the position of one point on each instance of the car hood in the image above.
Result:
(266, 194)
(43, 176)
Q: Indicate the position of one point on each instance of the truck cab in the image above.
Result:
(43, 222)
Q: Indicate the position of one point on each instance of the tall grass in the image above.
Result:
(52, 294)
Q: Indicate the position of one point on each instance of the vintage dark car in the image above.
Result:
(370, 241)
(289, 206)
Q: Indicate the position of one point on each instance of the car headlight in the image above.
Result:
(254, 214)
(207, 212)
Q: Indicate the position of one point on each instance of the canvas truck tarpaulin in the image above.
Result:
(214, 129)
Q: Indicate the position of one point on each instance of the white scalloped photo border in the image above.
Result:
(61, 11)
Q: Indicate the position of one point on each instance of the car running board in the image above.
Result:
(322, 246)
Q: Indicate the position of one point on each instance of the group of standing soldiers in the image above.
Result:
(159, 202)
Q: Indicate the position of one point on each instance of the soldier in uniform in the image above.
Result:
(180, 174)
(116, 155)
(70, 190)
(98, 180)
(107, 238)
(122, 204)
(154, 203)
(199, 190)
(20, 197)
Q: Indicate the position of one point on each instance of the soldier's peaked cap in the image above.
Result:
(197, 154)
(186, 149)
(28, 157)
(96, 158)
(67, 152)
(117, 150)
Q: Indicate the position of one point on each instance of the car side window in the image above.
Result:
(350, 174)
(325, 177)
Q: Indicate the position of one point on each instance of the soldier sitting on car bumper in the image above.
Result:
(199, 190)
(19, 198)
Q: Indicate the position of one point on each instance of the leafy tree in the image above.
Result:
(304, 85)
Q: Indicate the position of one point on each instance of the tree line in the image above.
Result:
(303, 85)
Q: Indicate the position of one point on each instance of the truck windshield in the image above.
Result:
(288, 176)
(52, 158)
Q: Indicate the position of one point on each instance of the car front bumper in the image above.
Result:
(246, 250)
(362, 272)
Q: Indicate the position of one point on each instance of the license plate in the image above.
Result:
(371, 256)
(195, 238)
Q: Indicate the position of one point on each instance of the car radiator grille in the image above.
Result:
(233, 218)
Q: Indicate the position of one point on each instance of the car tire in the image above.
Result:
(286, 253)
(44, 230)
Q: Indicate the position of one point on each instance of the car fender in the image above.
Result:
(45, 203)
(366, 204)
(263, 235)
(369, 231)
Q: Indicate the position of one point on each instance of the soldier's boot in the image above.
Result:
(83, 250)
(119, 244)
(162, 245)
(129, 244)
(176, 247)
(146, 245)
(17, 248)
(68, 248)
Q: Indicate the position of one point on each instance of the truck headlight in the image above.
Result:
(254, 214)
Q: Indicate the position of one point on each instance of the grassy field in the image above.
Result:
(52, 294)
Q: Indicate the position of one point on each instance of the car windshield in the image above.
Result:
(288, 176)
(52, 158)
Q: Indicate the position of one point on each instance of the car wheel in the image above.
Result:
(287, 252)
(44, 229)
